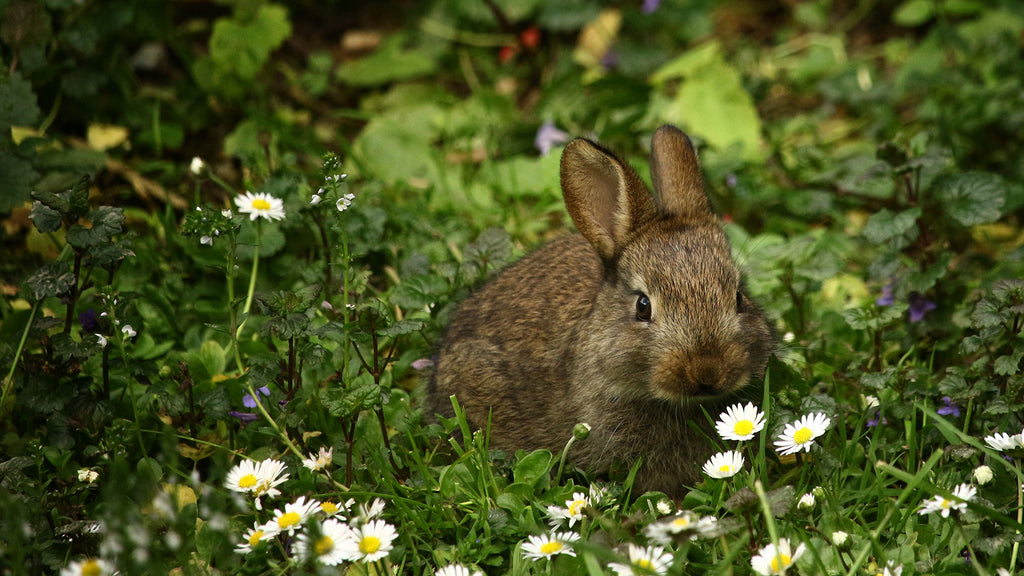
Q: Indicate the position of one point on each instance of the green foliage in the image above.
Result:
(153, 335)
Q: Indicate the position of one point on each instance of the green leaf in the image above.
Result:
(391, 62)
(419, 291)
(106, 222)
(533, 467)
(17, 103)
(913, 13)
(972, 198)
(711, 102)
(53, 279)
(885, 225)
(239, 48)
(45, 218)
(25, 23)
(16, 179)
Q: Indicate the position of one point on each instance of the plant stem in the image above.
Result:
(9, 380)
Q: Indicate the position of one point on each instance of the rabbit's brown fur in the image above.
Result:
(563, 336)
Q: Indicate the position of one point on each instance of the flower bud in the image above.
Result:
(982, 475)
(581, 431)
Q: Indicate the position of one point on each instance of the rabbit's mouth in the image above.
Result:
(697, 378)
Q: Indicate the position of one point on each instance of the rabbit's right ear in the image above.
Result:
(604, 196)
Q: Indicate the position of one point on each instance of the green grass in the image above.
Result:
(866, 160)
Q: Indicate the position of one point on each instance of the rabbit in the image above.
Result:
(630, 326)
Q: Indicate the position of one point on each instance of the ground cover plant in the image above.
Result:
(234, 232)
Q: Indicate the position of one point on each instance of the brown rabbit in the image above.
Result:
(629, 326)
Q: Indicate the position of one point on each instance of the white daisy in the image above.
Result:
(644, 560)
(1002, 441)
(768, 561)
(724, 464)
(89, 567)
(456, 570)
(800, 435)
(367, 513)
(740, 422)
(242, 478)
(890, 569)
(663, 531)
(294, 515)
(260, 205)
(269, 475)
(258, 533)
(320, 461)
(369, 542)
(329, 547)
(330, 509)
(963, 492)
(548, 545)
(573, 511)
(807, 501)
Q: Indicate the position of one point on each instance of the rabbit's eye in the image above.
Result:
(739, 302)
(643, 308)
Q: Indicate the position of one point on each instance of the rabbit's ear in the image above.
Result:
(604, 196)
(678, 187)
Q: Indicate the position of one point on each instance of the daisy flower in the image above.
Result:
(649, 560)
(456, 570)
(800, 435)
(548, 545)
(573, 511)
(320, 461)
(294, 515)
(890, 569)
(807, 501)
(260, 205)
(964, 492)
(367, 513)
(663, 531)
(770, 561)
(724, 464)
(369, 542)
(1002, 441)
(258, 533)
(89, 567)
(740, 422)
(329, 547)
(242, 478)
(330, 508)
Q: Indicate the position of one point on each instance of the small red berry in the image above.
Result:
(530, 38)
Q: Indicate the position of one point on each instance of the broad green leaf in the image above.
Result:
(711, 102)
(532, 467)
(53, 279)
(45, 218)
(972, 198)
(17, 103)
(913, 13)
(391, 62)
(885, 225)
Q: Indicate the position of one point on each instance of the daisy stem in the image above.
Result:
(273, 424)
(9, 380)
(1020, 517)
(561, 461)
(252, 278)
(769, 520)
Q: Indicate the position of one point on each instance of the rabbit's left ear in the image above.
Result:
(678, 186)
(604, 196)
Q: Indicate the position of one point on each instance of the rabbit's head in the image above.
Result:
(671, 321)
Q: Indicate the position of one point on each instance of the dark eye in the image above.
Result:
(643, 308)
(739, 302)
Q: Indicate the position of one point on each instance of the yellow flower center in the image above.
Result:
(803, 435)
(288, 519)
(261, 204)
(946, 503)
(329, 507)
(256, 537)
(91, 568)
(324, 545)
(784, 560)
(725, 468)
(369, 544)
(681, 522)
(551, 547)
(575, 506)
(247, 481)
(644, 564)
(743, 427)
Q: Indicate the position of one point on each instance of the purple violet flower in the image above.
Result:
(650, 6)
(244, 417)
(89, 321)
(919, 306)
(548, 136)
(887, 299)
(248, 400)
(949, 408)
(878, 419)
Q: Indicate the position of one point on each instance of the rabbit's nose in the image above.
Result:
(705, 389)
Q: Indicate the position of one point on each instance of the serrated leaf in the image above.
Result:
(106, 223)
(46, 219)
(419, 291)
(972, 198)
(16, 178)
(1009, 364)
(17, 103)
(53, 279)
(401, 328)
